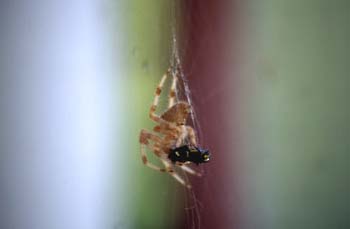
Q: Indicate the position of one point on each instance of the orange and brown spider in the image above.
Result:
(172, 141)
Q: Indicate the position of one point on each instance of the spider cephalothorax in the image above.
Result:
(186, 153)
(171, 132)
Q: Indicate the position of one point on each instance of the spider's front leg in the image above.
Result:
(189, 170)
(187, 132)
(192, 136)
(182, 136)
(169, 166)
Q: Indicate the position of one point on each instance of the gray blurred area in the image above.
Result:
(299, 149)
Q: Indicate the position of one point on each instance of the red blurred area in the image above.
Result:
(209, 38)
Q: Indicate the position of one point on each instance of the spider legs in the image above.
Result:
(169, 167)
(189, 170)
(179, 179)
(145, 136)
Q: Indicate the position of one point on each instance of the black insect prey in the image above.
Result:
(187, 153)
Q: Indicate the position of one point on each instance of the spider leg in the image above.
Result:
(145, 136)
(192, 135)
(159, 90)
(170, 134)
(190, 170)
(171, 171)
(166, 129)
(184, 133)
(172, 92)
(147, 163)
(153, 108)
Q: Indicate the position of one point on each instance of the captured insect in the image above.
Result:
(188, 153)
(170, 137)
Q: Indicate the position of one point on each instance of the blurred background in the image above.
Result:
(269, 84)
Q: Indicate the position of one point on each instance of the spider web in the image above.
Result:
(183, 92)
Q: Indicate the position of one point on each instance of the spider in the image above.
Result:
(171, 136)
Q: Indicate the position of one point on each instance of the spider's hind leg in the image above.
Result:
(145, 136)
